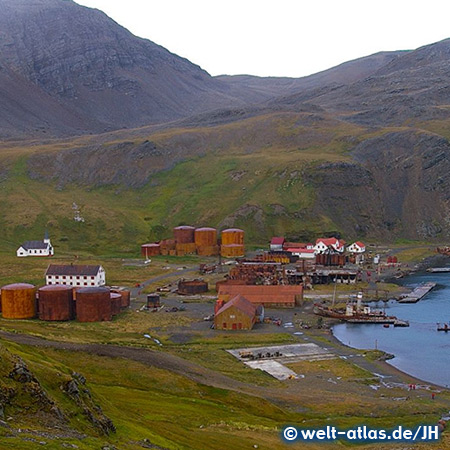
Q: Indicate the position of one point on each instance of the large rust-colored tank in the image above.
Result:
(153, 249)
(93, 304)
(185, 249)
(232, 250)
(56, 302)
(167, 247)
(233, 236)
(126, 297)
(212, 250)
(18, 301)
(184, 234)
(190, 287)
(116, 303)
(206, 237)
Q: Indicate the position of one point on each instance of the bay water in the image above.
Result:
(420, 350)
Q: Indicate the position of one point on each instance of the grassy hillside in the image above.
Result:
(250, 174)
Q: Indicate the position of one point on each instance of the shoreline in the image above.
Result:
(389, 367)
(416, 269)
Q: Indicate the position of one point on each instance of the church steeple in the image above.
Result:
(46, 238)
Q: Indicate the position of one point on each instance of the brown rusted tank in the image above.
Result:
(167, 246)
(153, 249)
(93, 304)
(56, 302)
(205, 237)
(206, 250)
(18, 301)
(184, 234)
(190, 287)
(116, 303)
(233, 236)
(185, 249)
(126, 297)
(232, 250)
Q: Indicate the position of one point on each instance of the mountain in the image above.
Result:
(361, 149)
(89, 74)
(263, 88)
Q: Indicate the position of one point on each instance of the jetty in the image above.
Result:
(418, 293)
(439, 269)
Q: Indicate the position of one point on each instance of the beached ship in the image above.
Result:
(353, 313)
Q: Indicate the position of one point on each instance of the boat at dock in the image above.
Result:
(352, 314)
(418, 293)
(439, 269)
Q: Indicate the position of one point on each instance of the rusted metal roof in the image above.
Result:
(263, 294)
(240, 303)
(277, 241)
(72, 269)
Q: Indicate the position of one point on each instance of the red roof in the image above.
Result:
(301, 250)
(263, 294)
(277, 241)
(360, 244)
(295, 245)
(240, 303)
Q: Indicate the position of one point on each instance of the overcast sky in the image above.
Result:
(280, 37)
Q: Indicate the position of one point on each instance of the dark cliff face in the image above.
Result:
(94, 68)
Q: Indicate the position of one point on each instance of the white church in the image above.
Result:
(36, 248)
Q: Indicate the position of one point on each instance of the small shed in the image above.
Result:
(236, 314)
(276, 244)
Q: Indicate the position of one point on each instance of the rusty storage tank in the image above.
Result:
(93, 304)
(232, 250)
(18, 301)
(153, 249)
(189, 287)
(126, 297)
(233, 236)
(116, 303)
(185, 249)
(56, 302)
(208, 250)
(184, 234)
(205, 236)
(167, 246)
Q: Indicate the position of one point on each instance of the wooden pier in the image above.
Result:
(418, 293)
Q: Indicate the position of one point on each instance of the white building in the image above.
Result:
(357, 247)
(75, 275)
(325, 244)
(302, 253)
(36, 248)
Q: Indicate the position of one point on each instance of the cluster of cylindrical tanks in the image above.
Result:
(60, 302)
(203, 241)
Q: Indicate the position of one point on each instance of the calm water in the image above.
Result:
(419, 350)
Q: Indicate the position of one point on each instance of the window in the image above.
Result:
(224, 325)
(85, 284)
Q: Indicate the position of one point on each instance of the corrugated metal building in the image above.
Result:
(236, 314)
(268, 296)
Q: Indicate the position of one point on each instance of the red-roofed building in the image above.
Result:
(325, 244)
(357, 247)
(269, 296)
(307, 246)
(276, 244)
(236, 314)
